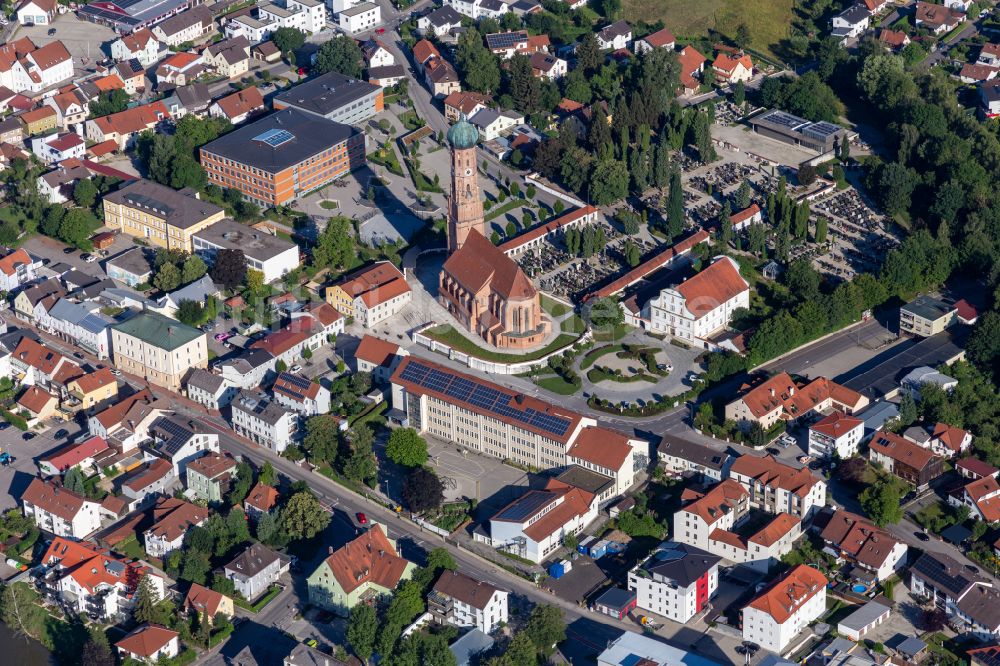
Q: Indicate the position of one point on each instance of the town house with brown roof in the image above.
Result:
(238, 106)
(462, 601)
(856, 539)
(780, 398)
(150, 643)
(260, 500)
(359, 572)
(778, 614)
(378, 357)
(370, 294)
(140, 45)
(777, 487)
(209, 476)
(122, 127)
(256, 569)
(60, 511)
(207, 603)
(172, 518)
(907, 460)
(609, 453)
(301, 394)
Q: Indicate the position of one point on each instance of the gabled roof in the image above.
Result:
(147, 475)
(946, 574)
(35, 399)
(212, 465)
(616, 29)
(660, 38)
(773, 473)
(253, 560)
(976, 466)
(376, 351)
(600, 446)
(10, 262)
(203, 600)
(73, 454)
(475, 593)
(241, 102)
(576, 502)
(479, 263)
(836, 424)
(726, 63)
(54, 499)
(425, 50)
(116, 412)
(718, 283)
(92, 381)
(950, 436)
(859, 537)
(789, 593)
(173, 517)
(261, 497)
(901, 450)
(147, 640)
(722, 499)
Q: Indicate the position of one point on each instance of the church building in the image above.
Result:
(483, 288)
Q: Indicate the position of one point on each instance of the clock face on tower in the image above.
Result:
(468, 172)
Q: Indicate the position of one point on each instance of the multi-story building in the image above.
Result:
(680, 456)
(780, 398)
(359, 18)
(981, 497)
(208, 477)
(248, 370)
(207, 604)
(161, 216)
(172, 518)
(94, 389)
(176, 440)
(904, 458)
(488, 418)
(209, 389)
(31, 69)
(715, 522)
(370, 294)
(143, 484)
(301, 395)
(784, 608)
(777, 487)
(836, 434)
(282, 156)
(82, 324)
(926, 316)
(267, 253)
(140, 45)
(462, 601)
(310, 329)
(16, 268)
(360, 570)
(378, 357)
(60, 511)
(131, 267)
(851, 537)
(119, 130)
(187, 26)
(256, 569)
(158, 348)
(969, 599)
(257, 417)
(335, 97)
(260, 500)
(92, 580)
(633, 648)
(676, 581)
(610, 454)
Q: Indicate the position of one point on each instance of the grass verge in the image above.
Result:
(449, 336)
(558, 385)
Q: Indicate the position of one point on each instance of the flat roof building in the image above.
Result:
(925, 316)
(335, 97)
(265, 252)
(783, 126)
(282, 156)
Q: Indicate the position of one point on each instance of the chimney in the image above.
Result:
(791, 390)
(771, 391)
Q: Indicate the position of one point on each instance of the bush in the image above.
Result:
(18, 422)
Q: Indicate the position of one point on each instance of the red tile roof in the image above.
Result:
(9, 263)
(370, 558)
(203, 600)
(725, 63)
(173, 517)
(241, 102)
(375, 284)
(376, 351)
(93, 381)
(773, 473)
(424, 50)
(965, 310)
(35, 400)
(690, 61)
(576, 502)
(132, 120)
(782, 524)
(465, 101)
(153, 472)
(261, 497)
(541, 230)
(475, 593)
(36, 115)
(73, 454)
(718, 283)
(859, 537)
(114, 414)
(745, 214)
(894, 38)
(836, 424)
(660, 38)
(721, 499)
(147, 640)
(976, 466)
(603, 447)
(479, 263)
(789, 593)
(53, 499)
(286, 385)
(92, 566)
(950, 436)
(212, 465)
(781, 392)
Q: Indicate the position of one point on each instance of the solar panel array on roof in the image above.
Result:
(485, 398)
(274, 137)
(988, 656)
(505, 40)
(177, 435)
(785, 119)
(944, 572)
(525, 507)
(821, 130)
(296, 382)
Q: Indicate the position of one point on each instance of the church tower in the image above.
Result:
(465, 209)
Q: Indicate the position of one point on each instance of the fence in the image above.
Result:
(432, 528)
(536, 180)
(483, 365)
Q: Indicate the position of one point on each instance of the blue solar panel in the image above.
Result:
(490, 400)
(274, 137)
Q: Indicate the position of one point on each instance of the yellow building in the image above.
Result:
(163, 216)
(40, 120)
(94, 388)
(157, 348)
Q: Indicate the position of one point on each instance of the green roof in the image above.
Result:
(158, 330)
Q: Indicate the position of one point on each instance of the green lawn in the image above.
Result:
(553, 307)
(558, 385)
(768, 20)
(131, 548)
(594, 354)
(265, 600)
(448, 335)
(328, 204)
(574, 325)
(387, 157)
(503, 209)
(611, 335)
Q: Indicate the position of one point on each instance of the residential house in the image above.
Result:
(70, 109)
(361, 570)
(60, 511)
(188, 26)
(441, 77)
(192, 98)
(677, 581)
(376, 54)
(39, 121)
(370, 294)
(976, 73)
(37, 403)
(209, 389)
(732, 69)
(179, 441)
(238, 106)
(133, 75)
(692, 64)
(180, 69)
(968, 598)
(263, 420)
(661, 39)
(248, 369)
(462, 601)
(209, 476)
(81, 455)
(229, 58)
(150, 644)
(894, 40)
(714, 522)
(309, 329)
(616, 36)
(926, 316)
(36, 12)
(949, 441)
(856, 539)
(82, 324)
(198, 291)
(260, 500)
(120, 129)
(17, 268)
(361, 17)
(779, 398)
(534, 525)
(35, 364)
(981, 497)
(27, 68)
(786, 607)
(301, 395)
(777, 487)
(974, 468)
(140, 45)
(439, 22)
(256, 569)
(938, 19)
(836, 434)
(851, 23)
(378, 357)
(207, 603)
(142, 485)
(158, 348)
(681, 456)
(172, 518)
(492, 123)
(468, 103)
(386, 77)
(131, 267)
(94, 390)
(92, 580)
(907, 460)
(610, 454)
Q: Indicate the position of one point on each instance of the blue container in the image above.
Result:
(584, 546)
(599, 550)
(556, 570)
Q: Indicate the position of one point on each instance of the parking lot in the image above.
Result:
(83, 39)
(469, 474)
(16, 477)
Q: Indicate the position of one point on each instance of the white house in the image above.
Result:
(610, 453)
(309, 329)
(679, 456)
(371, 294)
(677, 581)
(851, 23)
(267, 253)
(376, 54)
(702, 305)
(982, 497)
(255, 569)
(60, 511)
(359, 18)
(969, 600)
(55, 148)
(836, 433)
(378, 357)
(38, 68)
(299, 394)
(209, 389)
(777, 487)
(439, 22)
(534, 525)
(83, 324)
(140, 45)
(263, 420)
(37, 12)
(784, 608)
(616, 36)
(17, 268)
(548, 66)
(661, 39)
(150, 644)
(172, 518)
(731, 69)
(742, 220)
(178, 441)
(465, 602)
(492, 123)
(249, 369)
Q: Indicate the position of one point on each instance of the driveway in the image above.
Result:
(15, 478)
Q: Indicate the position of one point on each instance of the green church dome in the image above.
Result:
(463, 134)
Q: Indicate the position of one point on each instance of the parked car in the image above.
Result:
(362, 518)
(295, 368)
(922, 536)
(116, 372)
(79, 355)
(773, 451)
(69, 250)
(89, 258)
(222, 337)
(380, 31)
(51, 32)
(62, 432)
(28, 435)
(787, 440)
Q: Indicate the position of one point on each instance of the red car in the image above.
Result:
(380, 31)
(362, 518)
